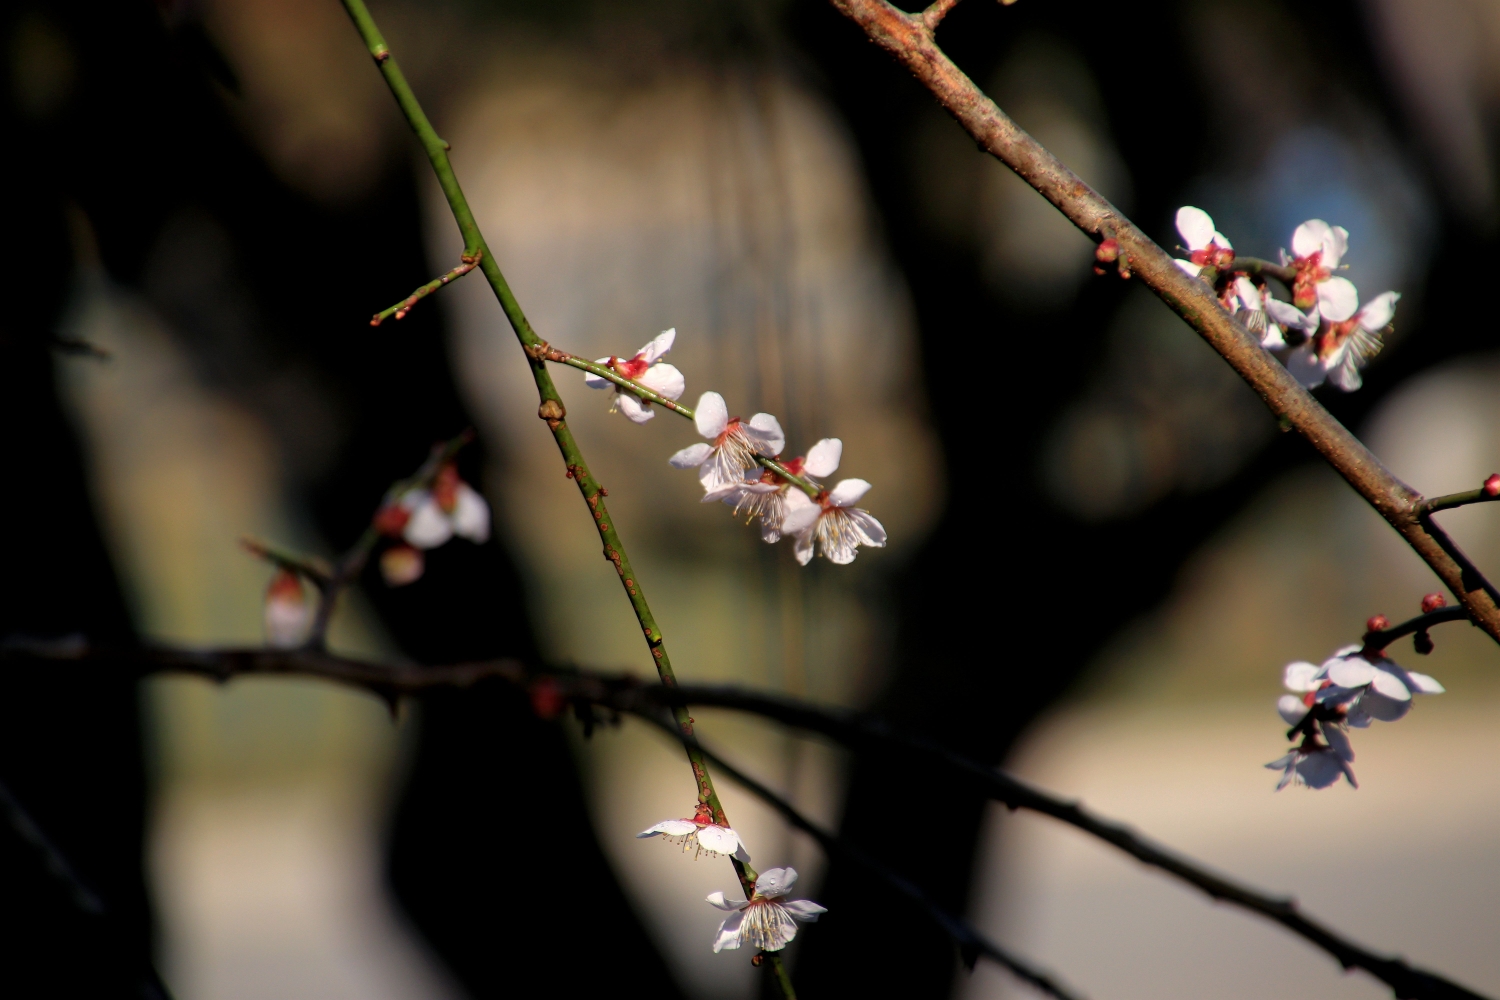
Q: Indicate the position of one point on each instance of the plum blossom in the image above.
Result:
(1314, 766)
(764, 921)
(833, 521)
(1347, 339)
(1368, 686)
(288, 617)
(734, 443)
(401, 565)
(1317, 249)
(428, 518)
(763, 495)
(1206, 246)
(701, 835)
(646, 368)
(1287, 325)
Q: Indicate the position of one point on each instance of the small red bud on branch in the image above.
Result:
(1379, 623)
(1431, 602)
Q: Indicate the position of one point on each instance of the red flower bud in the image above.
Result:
(546, 700)
(1108, 251)
(1432, 602)
(445, 488)
(1492, 485)
(391, 519)
(1378, 624)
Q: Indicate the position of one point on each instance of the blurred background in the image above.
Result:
(219, 193)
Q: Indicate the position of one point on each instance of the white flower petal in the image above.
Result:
(288, 622)
(871, 532)
(1390, 684)
(770, 532)
(729, 933)
(1379, 311)
(1303, 365)
(1351, 671)
(1222, 240)
(823, 458)
(711, 415)
(802, 545)
(765, 430)
(848, 492)
(1338, 299)
(428, 527)
(665, 380)
(660, 344)
(597, 381)
(717, 899)
(1290, 707)
(672, 828)
(775, 882)
(801, 512)
(804, 909)
(1424, 684)
(1195, 227)
(1289, 316)
(1188, 267)
(1247, 293)
(471, 515)
(1346, 374)
(635, 411)
(1378, 706)
(718, 839)
(1301, 676)
(1320, 770)
(1310, 237)
(1338, 740)
(692, 456)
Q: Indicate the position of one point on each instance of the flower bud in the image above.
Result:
(287, 616)
(546, 700)
(391, 519)
(401, 564)
(1432, 602)
(1108, 251)
(1422, 643)
(1379, 623)
(445, 488)
(1492, 485)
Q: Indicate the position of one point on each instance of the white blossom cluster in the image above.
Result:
(1352, 688)
(729, 469)
(1322, 334)
(766, 921)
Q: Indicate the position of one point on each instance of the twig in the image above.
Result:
(906, 37)
(52, 859)
(971, 943)
(550, 405)
(550, 353)
(1482, 495)
(400, 309)
(623, 693)
(318, 572)
(934, 14)
(1376, 641)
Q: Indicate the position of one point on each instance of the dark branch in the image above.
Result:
(971, 943)
(1379, 640)
(623, 693)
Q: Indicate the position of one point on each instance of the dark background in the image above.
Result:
(141, 132)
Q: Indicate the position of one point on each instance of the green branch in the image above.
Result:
(550, 406)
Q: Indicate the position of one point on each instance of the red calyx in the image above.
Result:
(1492, 485)
(546, 700)
(1432, 602)
(445, 488)
(391, 519)
(1379, 623)
(1108, 251)
(634, 368)
(285, 586)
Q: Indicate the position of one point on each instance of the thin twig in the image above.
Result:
(906, 37)
(52, 858)
(623, 693)
(1481, 495)
(550, 353)
(318, 572)
(550, 405)
(936, 11)
(400, 309)
(971, 943)
(1376, 641)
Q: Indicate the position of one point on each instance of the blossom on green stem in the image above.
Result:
(731, 445)
(764, 921)
(646, 368)
(833, 522)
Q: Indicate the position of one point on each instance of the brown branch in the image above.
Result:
(934, 14)
(400, 309)
(909, 39)
(623, 693)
